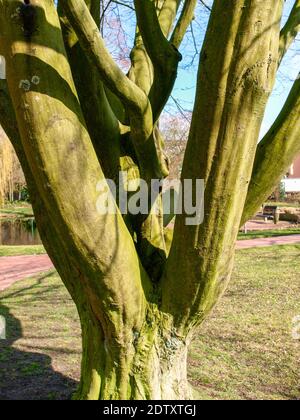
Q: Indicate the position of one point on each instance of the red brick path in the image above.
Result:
(13, 269)
(259, 242)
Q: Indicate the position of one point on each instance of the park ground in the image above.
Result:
(245, 350)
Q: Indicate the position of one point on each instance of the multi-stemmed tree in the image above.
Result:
(76, 119)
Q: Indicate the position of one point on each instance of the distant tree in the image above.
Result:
(6, 168)
(11, 175)
(175, 129)
(80, 119)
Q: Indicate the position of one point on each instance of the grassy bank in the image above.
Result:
(8, 251)
(17, 209)
(283, 204)
(246, 350)
(243, 351)
(273, 233)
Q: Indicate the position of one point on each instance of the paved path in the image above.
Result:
(13, 269)
(17, 268)
(269, 225)
(277, 240)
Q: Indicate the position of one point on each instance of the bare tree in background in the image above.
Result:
(11, 175)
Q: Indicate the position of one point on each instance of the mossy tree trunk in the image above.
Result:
(75, 119)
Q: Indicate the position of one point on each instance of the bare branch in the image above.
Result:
(205, 5)
(122, 4)
(290, 30)
(181, 110)
(93, 45)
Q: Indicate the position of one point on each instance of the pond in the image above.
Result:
(21, 231)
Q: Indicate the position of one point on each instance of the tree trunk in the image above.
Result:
(138, 308)
(149, 367)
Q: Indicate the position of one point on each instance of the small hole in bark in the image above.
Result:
(27, 1)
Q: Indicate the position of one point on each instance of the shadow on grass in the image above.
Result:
(27, 375)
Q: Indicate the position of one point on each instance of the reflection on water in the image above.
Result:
(19, 232)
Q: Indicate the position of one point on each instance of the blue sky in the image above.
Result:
(184, 89)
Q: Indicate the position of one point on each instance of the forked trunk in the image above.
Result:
(135, 308)
(150, 367)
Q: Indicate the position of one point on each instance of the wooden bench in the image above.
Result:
(271, 212)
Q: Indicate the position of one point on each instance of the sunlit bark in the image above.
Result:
(75, 119)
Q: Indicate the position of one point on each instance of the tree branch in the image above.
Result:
(205, 5)
(275, 153)
(167, 15)
(133, 98)
(102, 124)
(152, 163)
(91, 41)
(158, 47)
(183, 23)
(123, 4)
(290, 30)
(236, 75)
(164, 56)
(101, 250)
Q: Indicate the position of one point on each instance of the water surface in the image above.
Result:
(20, 231)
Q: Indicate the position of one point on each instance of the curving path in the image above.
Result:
(17, 268)
(261, 242)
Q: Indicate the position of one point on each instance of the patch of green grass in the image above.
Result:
(245, 349)
(17, 209)
(17, 212)
(8, 251)
(254, 234)
(43, 346)
(283, 204)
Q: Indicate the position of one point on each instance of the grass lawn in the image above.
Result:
(17, 209)
(254, 234)
(243, 351)
(8, 251)
(283, 204)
